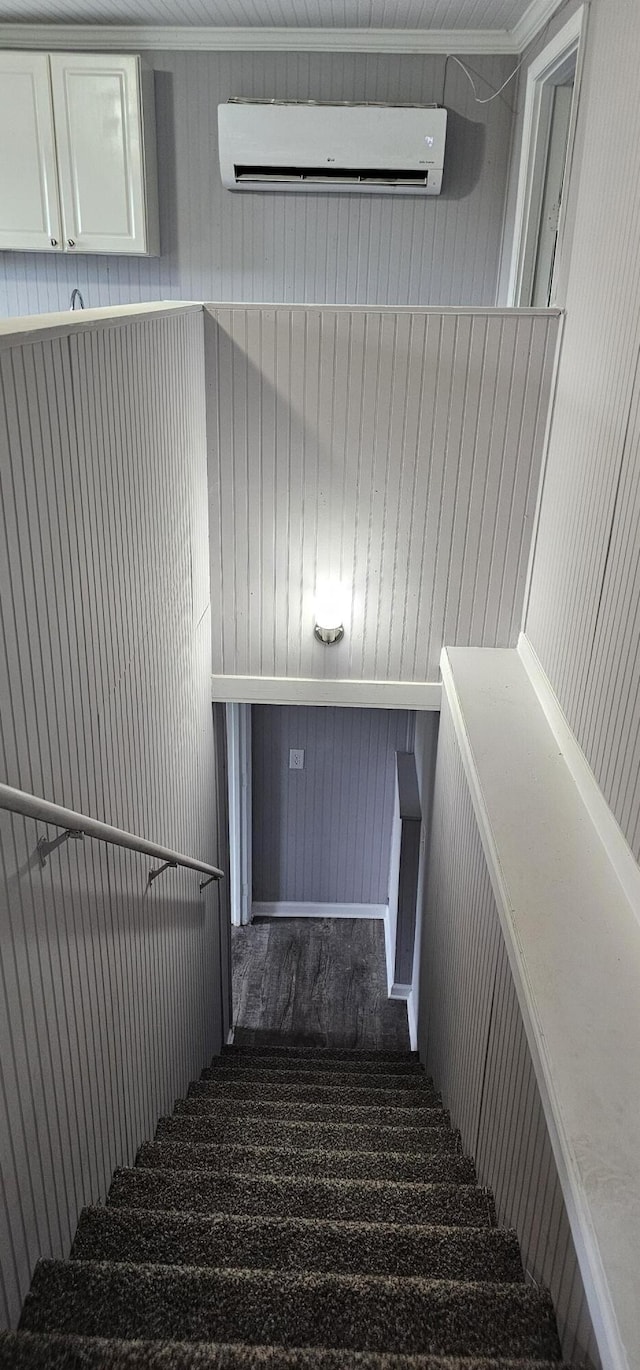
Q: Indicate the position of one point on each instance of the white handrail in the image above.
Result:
(18, 801)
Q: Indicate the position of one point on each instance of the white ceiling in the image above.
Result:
(354, 14)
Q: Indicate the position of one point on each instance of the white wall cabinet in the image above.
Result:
(77, 154)
(29, 203)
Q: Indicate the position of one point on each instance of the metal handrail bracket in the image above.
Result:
(79, 825)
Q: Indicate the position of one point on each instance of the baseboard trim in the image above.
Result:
(619, 853)
(287, 909)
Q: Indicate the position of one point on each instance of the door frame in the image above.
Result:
(568, 40)
(238, 718)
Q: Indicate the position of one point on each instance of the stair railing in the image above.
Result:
(79, 825)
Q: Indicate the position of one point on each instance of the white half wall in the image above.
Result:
(471, 1030)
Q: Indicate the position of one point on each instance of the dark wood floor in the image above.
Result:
(315, 982)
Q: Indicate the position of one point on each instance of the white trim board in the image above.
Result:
(574, 949)
(568, 39)
(194, 38)
(412, 1019)
(307, 909)
(534, 19)
(357, 694)
(399, 991)
(619, 853)
(238, 726)
(480, 311)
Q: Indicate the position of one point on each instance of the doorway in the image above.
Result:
(545, 164)
(325, 861)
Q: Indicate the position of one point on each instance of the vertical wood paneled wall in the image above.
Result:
(323, 834)
(395, 450)
(367, 249)
(473, 1042)
(109, 993)
(583, 618)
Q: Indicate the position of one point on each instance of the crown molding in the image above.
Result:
(532, 22)
(192, 38)
(148, 38)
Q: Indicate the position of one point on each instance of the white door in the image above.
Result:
(29, 209)
(98, 117)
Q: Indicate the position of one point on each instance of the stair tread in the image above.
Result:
(358, 1312)
(287, 1093)
(322, 1079)
(323, 1053)
(317, 1161)
(209, 1126)
(319, 1244)
(205, 1098)
(270, 1060)
(292, 1196)
(41, 1351)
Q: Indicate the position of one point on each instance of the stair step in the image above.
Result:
(211, 1127)
(270, 1060)
(452, 1168)
(203, 1191)
(35, 1351)
(204, 1100)
(128, 1234)
(322, 1053)
(321, 1079)
(285, 1094)
(355, 1312)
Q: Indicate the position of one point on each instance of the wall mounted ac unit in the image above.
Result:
(300, 145)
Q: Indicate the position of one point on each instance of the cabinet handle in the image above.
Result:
(71, 242)
(54, 242)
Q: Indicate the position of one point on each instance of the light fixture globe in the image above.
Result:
(329, 602)
(328, 635)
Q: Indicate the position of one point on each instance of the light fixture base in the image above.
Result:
(327, 636)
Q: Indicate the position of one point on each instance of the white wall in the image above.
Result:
(110, 996)
(472, 1040)
(397, 450)
(583, 617)
(220, 246)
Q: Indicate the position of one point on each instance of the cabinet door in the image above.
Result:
(29, 211)
(101, 160)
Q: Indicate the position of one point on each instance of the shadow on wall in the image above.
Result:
(464, 156)
(167, 172)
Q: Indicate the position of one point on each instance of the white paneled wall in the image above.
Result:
(110, 995)
(473, 1042)
(395, 450)
(583, 617)
(217, 245)
(323, 834)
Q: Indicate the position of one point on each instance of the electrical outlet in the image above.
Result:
(296, 759)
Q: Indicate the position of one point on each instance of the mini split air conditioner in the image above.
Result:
(299, 145)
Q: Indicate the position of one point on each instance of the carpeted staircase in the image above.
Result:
(301, 1208)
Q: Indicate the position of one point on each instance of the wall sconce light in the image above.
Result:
(329, 612)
